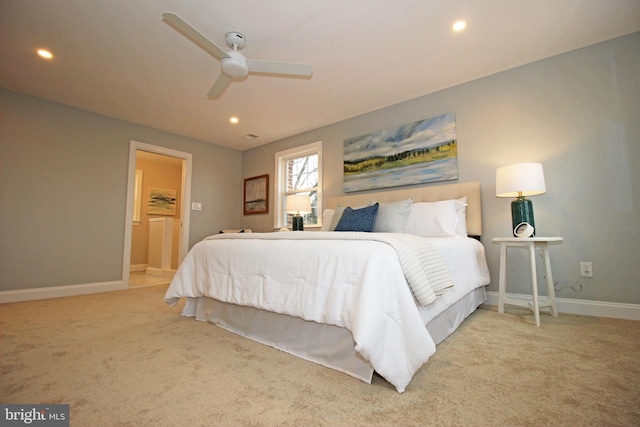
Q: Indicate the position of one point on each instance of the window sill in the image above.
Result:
(306, 228)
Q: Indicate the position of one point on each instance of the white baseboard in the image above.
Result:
(137, 267)
(61, 291)
(159, 272)
(583, 307)
(153, 271)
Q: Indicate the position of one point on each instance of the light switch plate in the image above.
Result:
(196, 206)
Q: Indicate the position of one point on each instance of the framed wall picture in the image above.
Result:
(161, 201)
(256, 195)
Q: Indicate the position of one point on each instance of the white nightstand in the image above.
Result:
(531, 243)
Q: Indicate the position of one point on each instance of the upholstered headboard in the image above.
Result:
(424, 194)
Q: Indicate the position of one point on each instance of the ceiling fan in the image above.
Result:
(234, 64)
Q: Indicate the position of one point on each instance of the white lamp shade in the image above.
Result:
(522, 178)
(299, 203)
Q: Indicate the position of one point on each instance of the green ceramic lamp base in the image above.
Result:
(297, 223)
(522, 211)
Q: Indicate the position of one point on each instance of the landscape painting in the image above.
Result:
(161, 202)
(415, 153)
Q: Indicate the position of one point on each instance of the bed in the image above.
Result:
(353, 301)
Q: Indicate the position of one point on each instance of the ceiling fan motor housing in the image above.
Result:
(235, 65)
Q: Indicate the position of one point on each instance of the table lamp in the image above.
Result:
(520, 180)
(298, 204)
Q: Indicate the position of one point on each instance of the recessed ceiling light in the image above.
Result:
(45, 53)
(459, 25)
(234, 120)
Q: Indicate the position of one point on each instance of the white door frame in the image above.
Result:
(184, 207)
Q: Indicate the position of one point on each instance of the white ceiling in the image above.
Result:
(118, 57)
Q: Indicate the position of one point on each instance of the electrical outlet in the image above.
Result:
(586, 269)
(195, 206)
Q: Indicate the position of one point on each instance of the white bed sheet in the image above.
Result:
(467, 264)
(371, 334)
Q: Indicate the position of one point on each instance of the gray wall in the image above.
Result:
(578, 114)
(63, 187)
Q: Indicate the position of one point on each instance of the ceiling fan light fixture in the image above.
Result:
(235, 65)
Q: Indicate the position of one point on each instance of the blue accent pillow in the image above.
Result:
(358, 219)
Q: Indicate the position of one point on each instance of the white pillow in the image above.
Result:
(337, 214)
(327, 215)
(461, 212)
(391, 216)
(432, 219)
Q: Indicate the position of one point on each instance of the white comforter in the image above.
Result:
(355, 283)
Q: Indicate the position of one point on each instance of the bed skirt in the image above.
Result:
(327, 345)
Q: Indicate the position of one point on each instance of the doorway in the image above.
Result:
(136, 203)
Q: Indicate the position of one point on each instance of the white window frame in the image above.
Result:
(280, 186)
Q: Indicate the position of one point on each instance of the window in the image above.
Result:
(298, 171)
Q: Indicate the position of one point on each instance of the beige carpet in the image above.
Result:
(127, 359)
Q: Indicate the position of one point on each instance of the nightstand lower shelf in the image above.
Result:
(526, 304)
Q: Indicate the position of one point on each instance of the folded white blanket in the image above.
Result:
(422, 264)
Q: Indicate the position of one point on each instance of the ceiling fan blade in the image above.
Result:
(273, 67)
(220, 86)
(192, 34)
